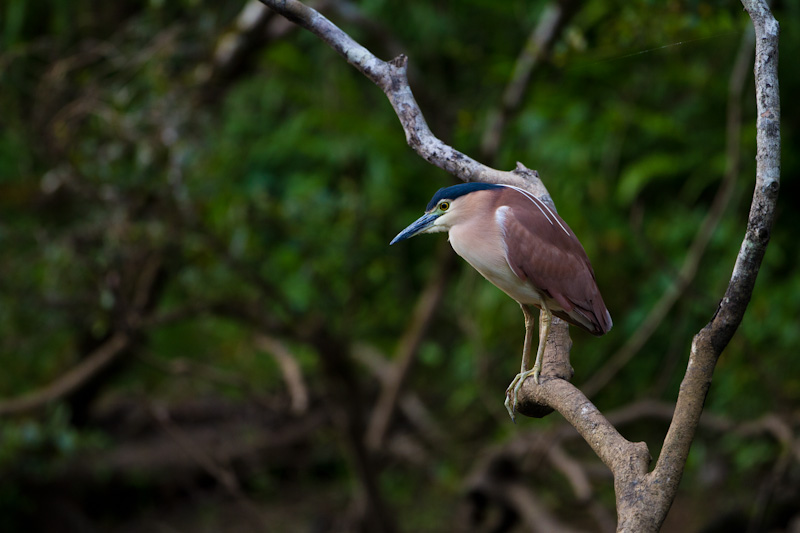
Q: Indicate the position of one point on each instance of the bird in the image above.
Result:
(523, 247)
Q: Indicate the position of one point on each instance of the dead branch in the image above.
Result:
(523, 454)
(553, 19)
(392, 78)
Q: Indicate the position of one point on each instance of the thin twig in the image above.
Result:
(71, 380)
(100, 358)
(290, 368)
(554, 17)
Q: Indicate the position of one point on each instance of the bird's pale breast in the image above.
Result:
(480, 243)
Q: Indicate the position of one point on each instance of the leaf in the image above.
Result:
(651, 168)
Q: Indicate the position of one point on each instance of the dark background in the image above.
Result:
(195, 215)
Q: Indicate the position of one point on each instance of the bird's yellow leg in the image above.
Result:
(511, 391)
(526, 347)
(545, 318)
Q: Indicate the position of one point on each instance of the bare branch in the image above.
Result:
(658, 491)
(642, 499)
(624, 458)
(72, 380)
(290, 368)
(392, 78)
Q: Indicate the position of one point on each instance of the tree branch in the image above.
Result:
(392, 78)
(658, 491)
(70, 381)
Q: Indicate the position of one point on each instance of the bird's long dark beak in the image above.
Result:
(418, 226)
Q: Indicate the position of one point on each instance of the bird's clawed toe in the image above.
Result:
(512, 391)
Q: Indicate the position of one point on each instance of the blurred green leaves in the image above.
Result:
(279, 188)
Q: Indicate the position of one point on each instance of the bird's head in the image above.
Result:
(443, 210)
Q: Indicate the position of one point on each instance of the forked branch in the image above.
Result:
(643, 498)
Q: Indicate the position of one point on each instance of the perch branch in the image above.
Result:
(554, 17)
(642, 499)
(392, 78)
(625, 459)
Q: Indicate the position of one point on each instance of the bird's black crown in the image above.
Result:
(454, 191)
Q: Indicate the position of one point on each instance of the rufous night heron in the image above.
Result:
(523, 247)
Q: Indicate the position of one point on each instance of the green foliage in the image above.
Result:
(45, 444)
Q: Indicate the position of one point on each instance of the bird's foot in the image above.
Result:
(513, 390)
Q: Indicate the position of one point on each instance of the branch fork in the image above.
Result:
(643, 499)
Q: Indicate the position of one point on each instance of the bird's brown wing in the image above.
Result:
(542, 249)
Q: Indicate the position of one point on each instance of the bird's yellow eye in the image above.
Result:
(444, 206)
